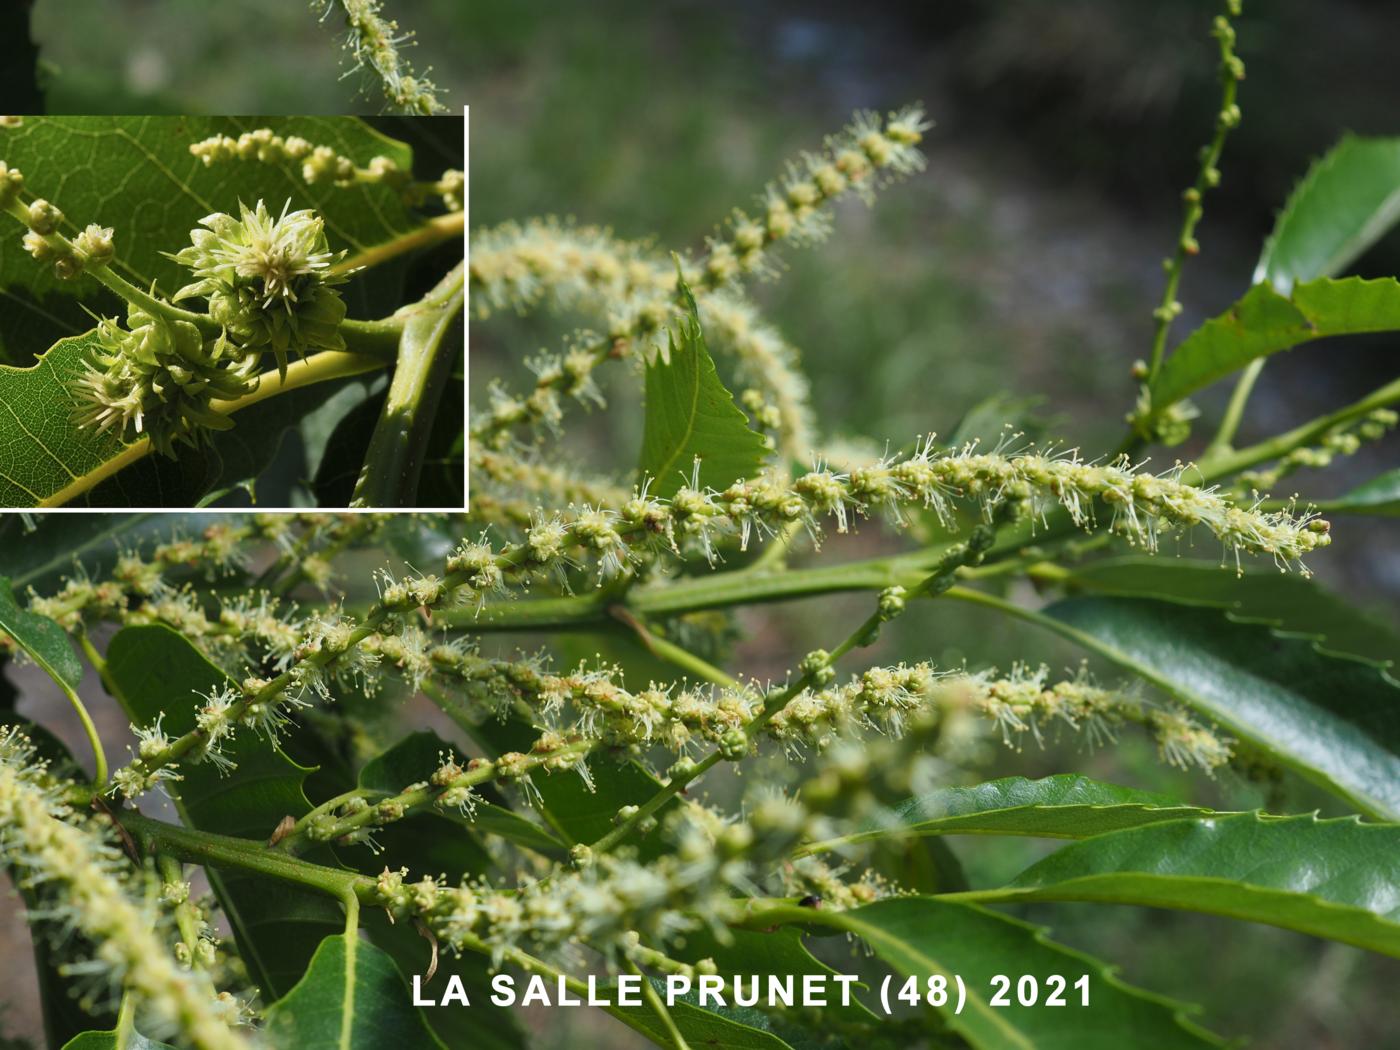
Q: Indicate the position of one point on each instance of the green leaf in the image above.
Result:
(780, 952)
(108, 1041)
(1062, 806)
(352, 997)
(153, 670)
(1380, 495)
(730, 1028)
(1292, 603)
(1330, 878)
(1334, 719)
(136, 174)
(1265, 322)
(44, 640)
(1347, 201)
(691, 416)
(924, 936)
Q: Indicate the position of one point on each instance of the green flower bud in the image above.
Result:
(269, 281)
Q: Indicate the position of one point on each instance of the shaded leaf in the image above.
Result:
(1380, 495)
(1338, 878)
(1062, 806)
(154, 670)
(1348, 200)
(1265, 322)
(108, 1041)
(1287, 601)
(925, 936)
(351, 998)
(690, 415)
(1333, 719)
(47, 644)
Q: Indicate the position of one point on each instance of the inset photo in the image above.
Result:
(231, 312)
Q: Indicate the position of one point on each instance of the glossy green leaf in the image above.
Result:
(690, 416)
(781, 952)
(1062, 806)
(1380, 495)
(47, 644)
(108, 1041)
(1265, 322)
(1338, 879)
(137, 175)
(1333, 719)
(924, 937)
(154, 670)
(485, 1026)
(1347, 201)
(1290, 602)
(732, 1028)
(351, 998)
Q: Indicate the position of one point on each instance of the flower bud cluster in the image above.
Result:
(55, 848)
(792, 209)
(1141, 507)
(321, 165)
(92, 247)
(1344, 440)
(269, 281)
(160, 378)
(374, 42)
(608, 903)
(632, 289)
(535, 482)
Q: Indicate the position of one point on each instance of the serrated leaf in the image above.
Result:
(108, 1041)
(1348, 200)
(1062, 806)
(690, 416)
(1287, 601)
(1333, 719)
(1380, 495)
(136, 174)
(925, 936)
(1265, 322)
(352, 997)
(1338, 879)
(154, 670)
(47, 644)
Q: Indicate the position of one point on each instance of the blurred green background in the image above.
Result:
(1025, 260)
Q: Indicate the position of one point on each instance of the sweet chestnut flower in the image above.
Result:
(269, 281)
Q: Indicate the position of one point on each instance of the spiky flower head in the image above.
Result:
(269, 281)
(158, 377)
